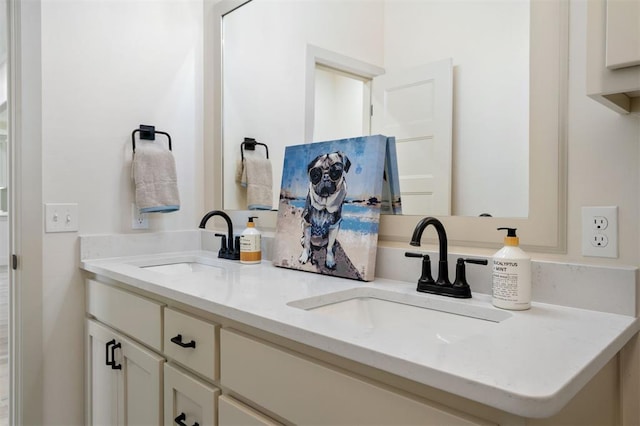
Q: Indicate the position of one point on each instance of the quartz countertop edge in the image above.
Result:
(530, 374)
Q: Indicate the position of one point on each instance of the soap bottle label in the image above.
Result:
(508, 285)
(250, 248)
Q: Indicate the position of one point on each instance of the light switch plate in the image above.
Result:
(61, 217)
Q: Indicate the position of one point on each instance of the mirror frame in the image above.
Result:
(545, 228)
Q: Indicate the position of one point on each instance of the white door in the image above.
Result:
(416, 106)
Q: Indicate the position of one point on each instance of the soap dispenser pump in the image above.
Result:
(511, 275)
(250, 243)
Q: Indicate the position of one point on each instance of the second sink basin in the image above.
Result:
(370, 308)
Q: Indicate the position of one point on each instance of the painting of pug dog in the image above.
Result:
(322, 212)
(329, 207)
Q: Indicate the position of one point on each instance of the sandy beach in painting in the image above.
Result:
(359, 248)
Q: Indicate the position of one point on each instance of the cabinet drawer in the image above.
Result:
(187, 399)
(305, 392)
(139, 317)
(191, 342)
(234, 413)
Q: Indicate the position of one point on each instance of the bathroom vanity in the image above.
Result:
(181, 337)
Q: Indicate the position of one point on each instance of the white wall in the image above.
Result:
(107, 67)
(603, 156)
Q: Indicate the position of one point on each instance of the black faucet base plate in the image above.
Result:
(450, 291)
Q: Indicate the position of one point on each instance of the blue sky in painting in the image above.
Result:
(364, 178)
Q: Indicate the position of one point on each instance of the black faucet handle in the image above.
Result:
(425, 277)
(223, 245)
(476, 261)
(461, 274)
(413, 254)
(236, 248)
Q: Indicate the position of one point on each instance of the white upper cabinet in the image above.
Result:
(623, 33)
(613, 54)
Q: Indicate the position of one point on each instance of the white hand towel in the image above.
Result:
(154, 175)
(257, 178)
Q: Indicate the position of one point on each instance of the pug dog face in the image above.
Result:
(326, 173)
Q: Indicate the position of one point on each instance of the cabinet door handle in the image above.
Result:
(107, 352)
(178, 341)
(111, 350)
(181, 418)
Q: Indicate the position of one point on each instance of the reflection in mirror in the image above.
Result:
(267, 95)
(341, 104)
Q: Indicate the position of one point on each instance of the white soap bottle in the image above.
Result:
(511, 275)
(250, 243)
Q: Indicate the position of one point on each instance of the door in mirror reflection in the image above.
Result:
(413, 105)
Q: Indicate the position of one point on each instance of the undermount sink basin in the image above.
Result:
(372, 308)
(181, 268)
(185, 265)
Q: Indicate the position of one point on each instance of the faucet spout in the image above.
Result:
(209, 215)
(443, 266)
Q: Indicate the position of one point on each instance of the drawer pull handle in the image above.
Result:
(181, 418)
(178, 341)
(110, 349)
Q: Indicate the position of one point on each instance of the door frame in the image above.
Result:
(317, 55)
(26, 360)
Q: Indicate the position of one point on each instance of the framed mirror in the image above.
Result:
(543, 229)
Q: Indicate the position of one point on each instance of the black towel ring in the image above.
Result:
(147, 133)
(250, 145)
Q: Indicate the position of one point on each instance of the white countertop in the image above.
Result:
(530, 364)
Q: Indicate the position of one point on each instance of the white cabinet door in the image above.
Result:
(623, 33)
(124, 380)
(187, 400)
(613, 72)
(102, 383)
(140, 385)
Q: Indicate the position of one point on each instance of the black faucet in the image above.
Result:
(229, 251)
(426, 284)
(443, 265)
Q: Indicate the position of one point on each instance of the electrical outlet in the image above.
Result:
(600, 223)
(600, 231)
(138, 220)
(61, 217)
(599, 240)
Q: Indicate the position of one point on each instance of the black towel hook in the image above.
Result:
(250, 145)
(147, 133)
